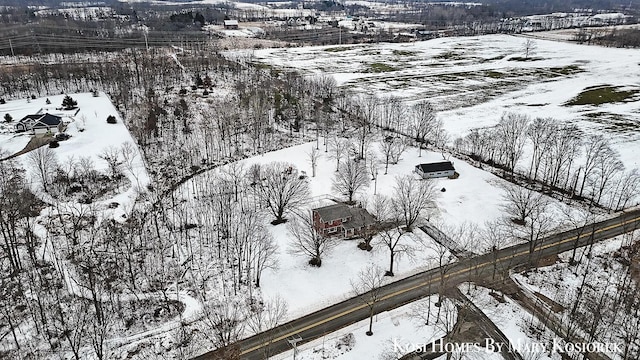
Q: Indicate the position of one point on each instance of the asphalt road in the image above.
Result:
(413, 288)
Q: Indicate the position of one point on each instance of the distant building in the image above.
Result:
(435, 170)
(297, 21)
(341, 220)
(231, 24)
(40, 124)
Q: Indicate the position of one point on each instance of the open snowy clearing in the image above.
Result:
(474, 198)
(474, 80)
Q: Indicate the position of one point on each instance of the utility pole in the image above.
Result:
(294, 343)
(11, 46)
(340, 36)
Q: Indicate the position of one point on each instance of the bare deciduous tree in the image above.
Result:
(580, 220)
(351, 177)
(338, 150)
(392, 113)
(596, 146)
(443, 317)
(44, 163)
(529, 48)
(367, 288)
(111, 156)
(565, 146)
(224, 321)
(264, 252)
(307, 241)
(540, 132)
(267, 315)
(539, 224)
(521, 202)
(391, 148)
(494, 237)
(511, 132)
(628, 189)
(606, 170)
(233, 176)
(372, 165)
(412, 197)
(391, 235)
(282, 190)
(422, 123)
(365, 112)
(443, 259)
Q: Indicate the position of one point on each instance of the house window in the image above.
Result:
(332, 230)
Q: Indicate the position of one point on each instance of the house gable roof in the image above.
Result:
(333, 212)
(435, 167)
(51, 120)
(31, 117)
(359, 218)
(46, 119)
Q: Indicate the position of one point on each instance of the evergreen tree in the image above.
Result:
(68, 103)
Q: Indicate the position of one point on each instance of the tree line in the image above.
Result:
(563, 159)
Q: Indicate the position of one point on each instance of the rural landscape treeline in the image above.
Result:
(79, 282)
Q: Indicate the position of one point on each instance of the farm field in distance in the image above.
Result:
(472, 81)
(199, 179)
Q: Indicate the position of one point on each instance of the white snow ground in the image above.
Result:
(475, 197)
(90, 136)
(394, 332)
(474, 80)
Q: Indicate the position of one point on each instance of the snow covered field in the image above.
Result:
(474, 80)
(474, 198)
(458, 75)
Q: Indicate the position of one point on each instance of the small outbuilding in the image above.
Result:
(435, 170)
(231, 24)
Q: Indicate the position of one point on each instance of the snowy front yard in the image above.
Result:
(395, 333)
(473, 198)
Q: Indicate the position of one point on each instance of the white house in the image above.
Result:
(435, 170)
